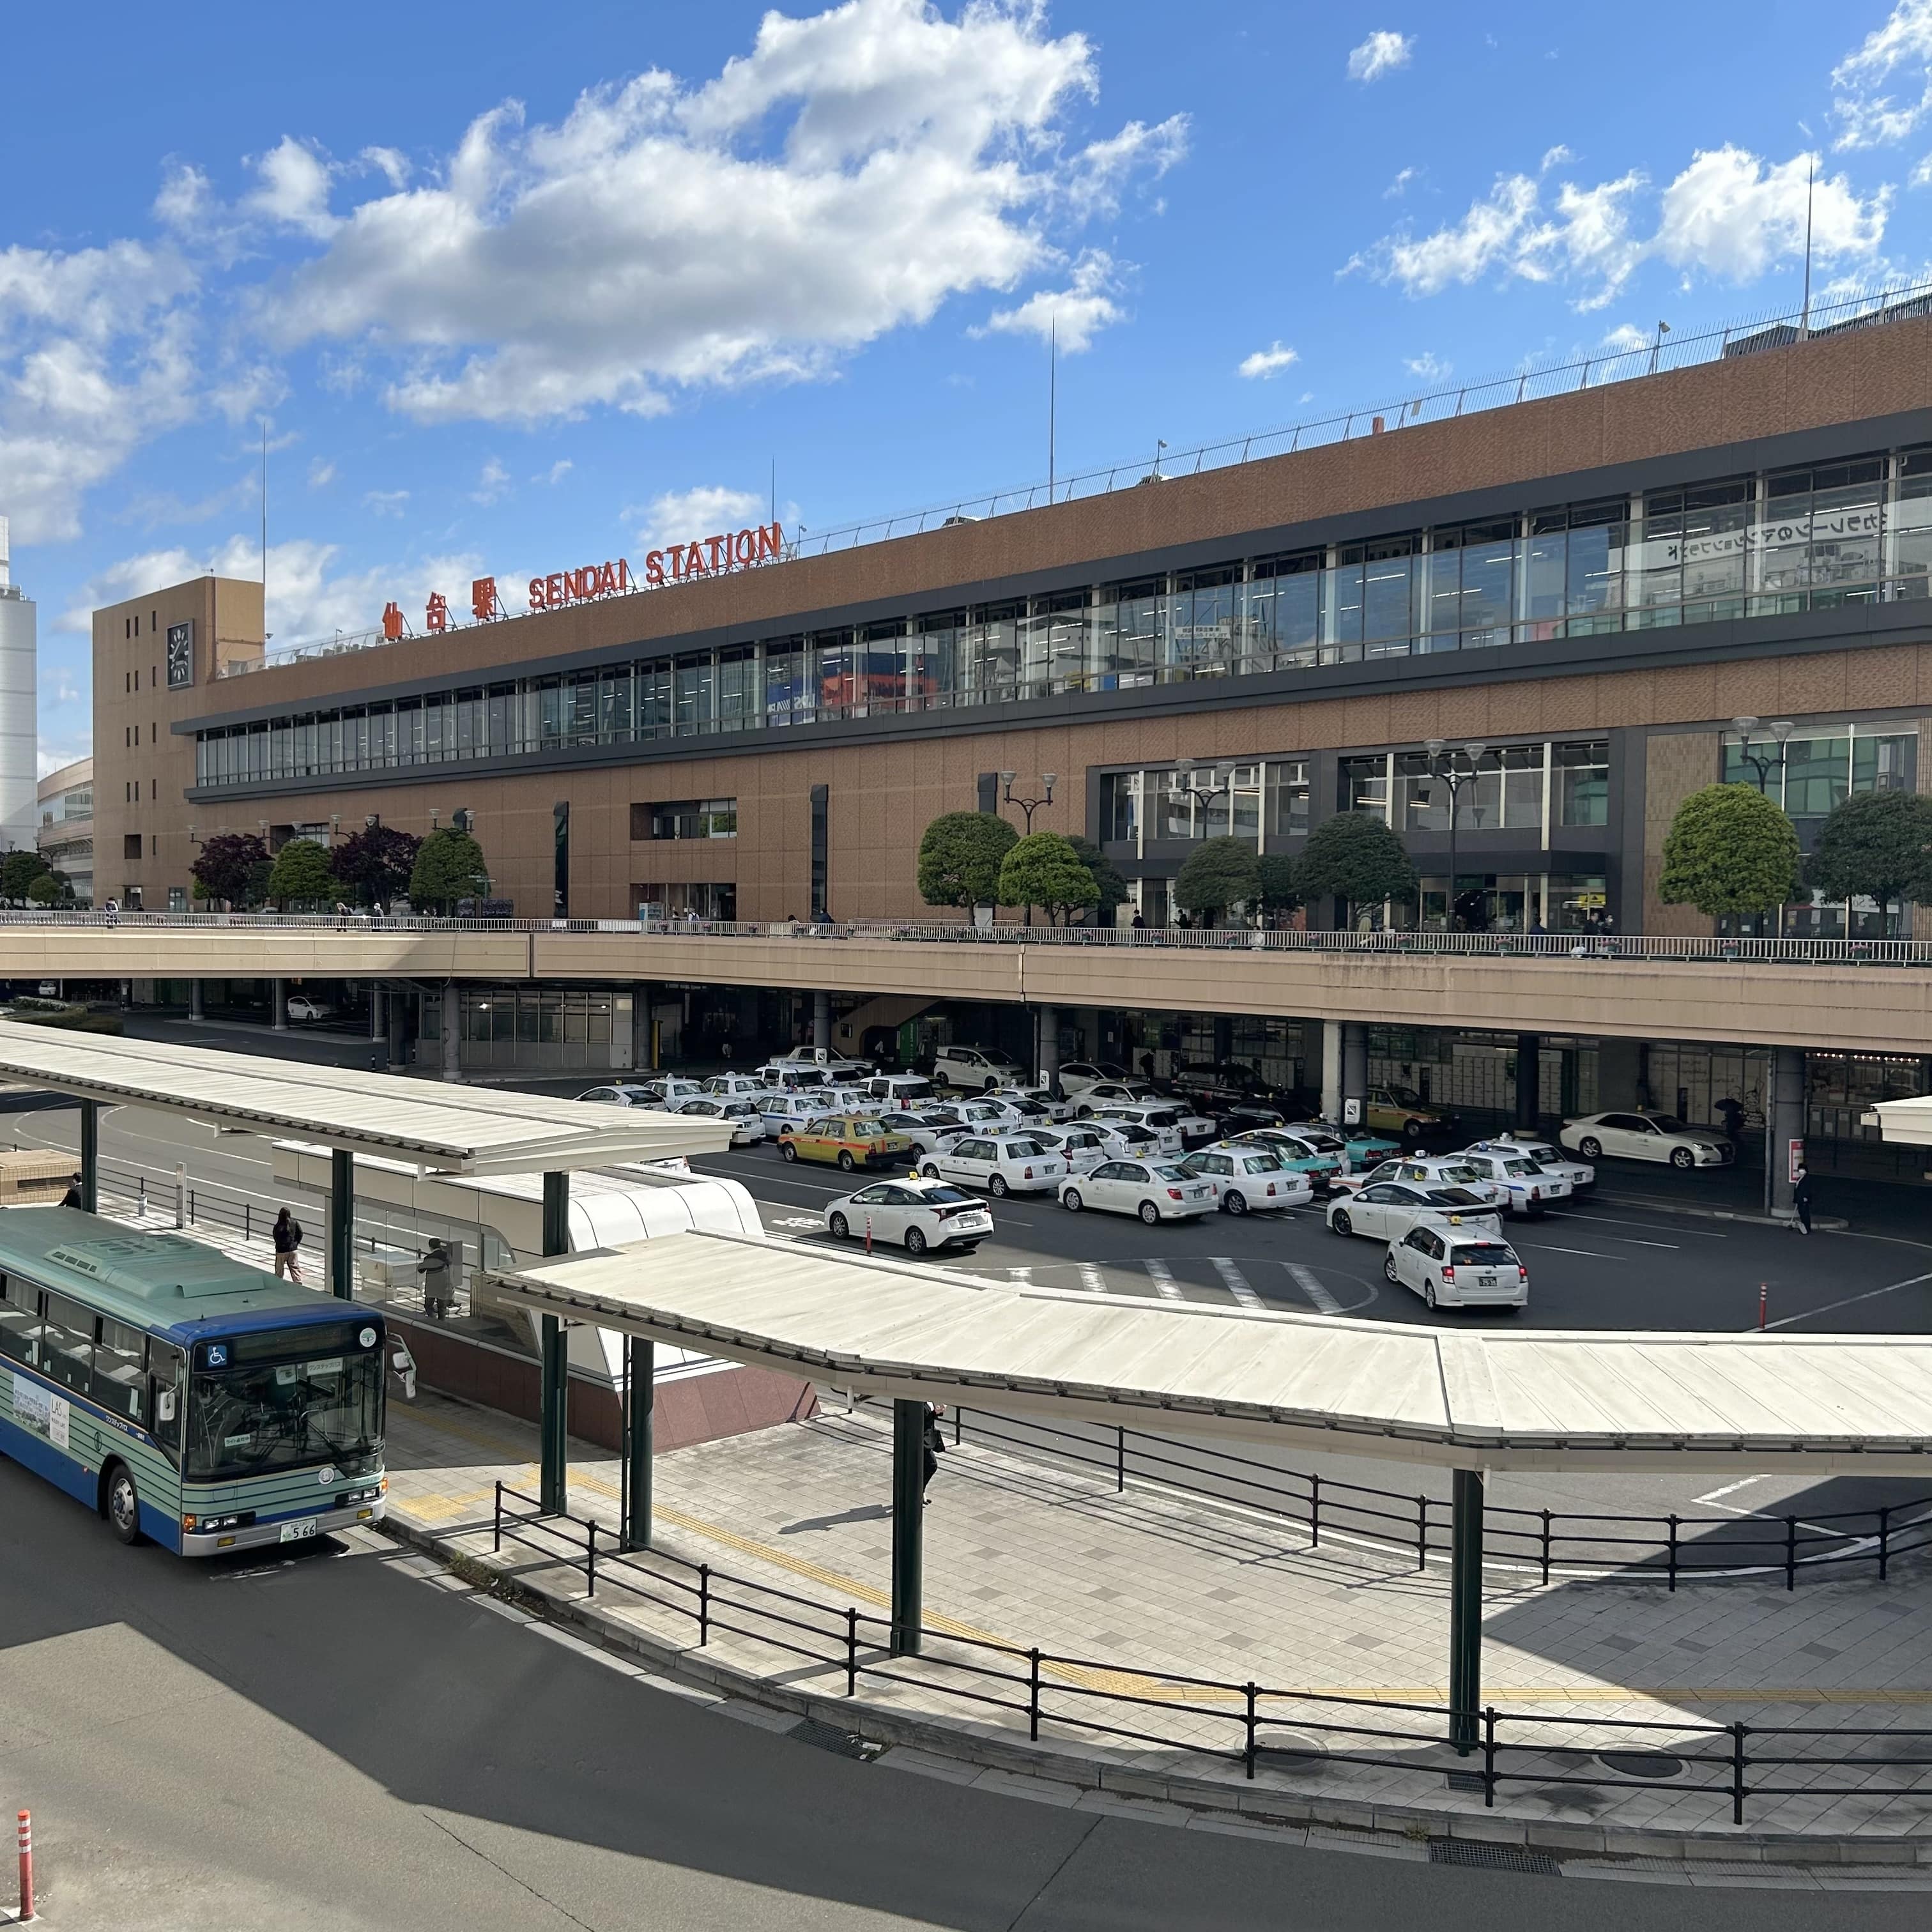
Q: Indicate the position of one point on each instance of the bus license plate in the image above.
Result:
(294, 1532)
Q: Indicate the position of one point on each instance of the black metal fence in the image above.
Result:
(1547, 1543)
(1217, 1722)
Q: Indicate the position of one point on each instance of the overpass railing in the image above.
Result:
(1236, 1727)
(1639, 946)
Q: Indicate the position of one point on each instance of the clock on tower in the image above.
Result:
(181, 656)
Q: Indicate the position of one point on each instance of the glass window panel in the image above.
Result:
(881, 666)
(737, 688)
(1599, 536)
(1137, 636)
(1545, 578)
(1120, 805)
(1885, 763)
(1908, 529)
(1364, 785)
(935, 662)
(1422, 800)
(1172, 809)
(1817, 775)
(786, 699)
(1391, 593)
(691, 691)
(614, 705)
(1845, 532)
(1522, 787)
(1341, 603)
(1583, 782)
(1287, 799)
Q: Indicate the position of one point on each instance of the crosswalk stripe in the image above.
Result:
(1090, 1278)
(1164, 1280)
(1304, 1279)
(1236, 1282)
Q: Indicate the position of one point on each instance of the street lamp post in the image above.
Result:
(1442, 766)
(1763, 762)
(1029, 806)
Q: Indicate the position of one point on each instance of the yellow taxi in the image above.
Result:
(851, 1141)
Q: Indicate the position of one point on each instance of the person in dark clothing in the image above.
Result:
(1801, 1200)
(1731, 1112)
(1146, 1066)
(439, 1287)
(934, 1445)
(287, 1236)
(71, 1198)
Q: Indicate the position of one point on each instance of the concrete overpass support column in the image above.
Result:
(1331, 1069)
(1619, 1074)
(280, 994)
(1528, 1079)
(1355, 1063)
(640, 1368)
(1783, 1124)
(194, 1009)
(452, 1032)
(641, 1055)
(342, 1224)
(553, 1426)
(1465, 1610)
(908, 1527)
(1046, 1022)
(376, 1029)
(821, 1021)
(90, 1157)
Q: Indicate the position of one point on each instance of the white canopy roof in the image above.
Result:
(451, 1129)
(1521, 1400)
(1908, 1123)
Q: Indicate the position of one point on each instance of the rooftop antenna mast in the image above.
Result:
(1805, 322)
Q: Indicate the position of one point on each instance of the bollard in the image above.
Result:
(868, 1234)
(1763, 1292)
(26, 1867)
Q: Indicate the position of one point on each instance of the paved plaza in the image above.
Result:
(1153, 1587)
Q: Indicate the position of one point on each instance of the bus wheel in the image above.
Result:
(123, 1505)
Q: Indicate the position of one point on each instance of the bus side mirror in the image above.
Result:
(164, 1405)
(404, 1364)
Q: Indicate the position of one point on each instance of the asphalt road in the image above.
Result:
(332, 1742)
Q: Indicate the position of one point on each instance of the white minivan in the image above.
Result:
(978, 1067)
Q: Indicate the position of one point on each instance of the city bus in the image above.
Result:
(184, 1396)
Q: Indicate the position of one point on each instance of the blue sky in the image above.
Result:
(516, 291)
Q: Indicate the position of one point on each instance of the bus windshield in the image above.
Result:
(279, 1402)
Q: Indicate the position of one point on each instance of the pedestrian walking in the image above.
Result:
(439, 1285)
(287, 1237)
(1730, 1111)
(724, 1049)
(934, 1445)
(1801, 1200)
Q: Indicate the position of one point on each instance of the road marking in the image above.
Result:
(1635, 1243)
(1731, 1489)
(1550, 1248)
(1236, 1282)
(1020, 1276)
(794, 1221)
(1164, 1280)
(1812, 1314)
(1304, 1278)
(1612, 1221)
(1091, 1279)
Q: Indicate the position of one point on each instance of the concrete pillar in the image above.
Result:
(376, 1030)
(1466, 1609)
(1331, 1069)
(280, 995)
(194, 1011)
(395, 1014)
(908, 1528)
(554, 1426)
(641, 1026)
(1783, 1123)
(452, 1032)
(640, 1368)
(342, 1224)
(1619, 1072)
(90, 1157)
(1528, 1079)
(821, 1021)
(1046, 1022)
(1355, 1063)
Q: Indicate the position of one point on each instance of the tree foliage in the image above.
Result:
(1043, 869)
(1729, 850)
(18, 872)
(1281, 885)
(1221, 871)
(376, 864)
(44, 890)
(225, 864)
(1357, 858)
(301, 875)
(1875, 845)
(960, 857)
(448, 867)
(1113, 889)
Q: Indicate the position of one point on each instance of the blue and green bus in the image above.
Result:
(184, 1397)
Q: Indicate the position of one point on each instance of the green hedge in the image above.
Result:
(73, 1019)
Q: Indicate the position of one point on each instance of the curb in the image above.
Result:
(1366, 1827)
(1830, 1224)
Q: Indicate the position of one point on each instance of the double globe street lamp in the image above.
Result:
(1443, 766)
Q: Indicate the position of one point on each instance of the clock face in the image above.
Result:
(181, 656)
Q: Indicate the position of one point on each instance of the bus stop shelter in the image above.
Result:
(1471, 1401)
(438, 1129)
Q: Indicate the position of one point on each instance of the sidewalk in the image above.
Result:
(1152, 1587)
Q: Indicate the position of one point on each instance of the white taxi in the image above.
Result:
(1530, 1189)
(1385, 1210)
(748, 1125)
(1247, 1179)
(1450, 1268)
(1086, 1144)
(1547, 1154)
(1432, 1170)
(1156, 1190)
(1002, 1164)
(917, 1212)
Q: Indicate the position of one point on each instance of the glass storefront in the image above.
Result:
(535, 1027)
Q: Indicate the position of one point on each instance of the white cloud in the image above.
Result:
(1625, 338)
(293, 190)
(682, 516)
(493, 484)
(386, 502)
(49, 757)
(1382, 53)
(851, 173)
(1730, 214)
(1428, 366)
(1867, 117)
(1554, 157)
(1073, 315)
(96, 358)
(321, 472)
(307, 598)
(391, 163)
(1267, 363)
(1396, 188)
(557, 472)
(1921, 175)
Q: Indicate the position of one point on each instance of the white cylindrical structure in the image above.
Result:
(19, 725)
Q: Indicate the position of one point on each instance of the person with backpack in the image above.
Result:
(287, 1236)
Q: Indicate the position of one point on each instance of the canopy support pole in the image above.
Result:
(908, 1527)
(1465, 1610)
(90, 1157)
(342, 1223)
(554, 1427)
(641, 1365)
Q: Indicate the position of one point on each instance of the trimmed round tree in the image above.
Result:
(301, 875)
(1043, 869)
(225, 868)
(1221, 873)
(960, 857)
(376, 862)
(1281, 885)
(1875, 845)
(1730, 852)
(449, 866)
(1356, 859)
